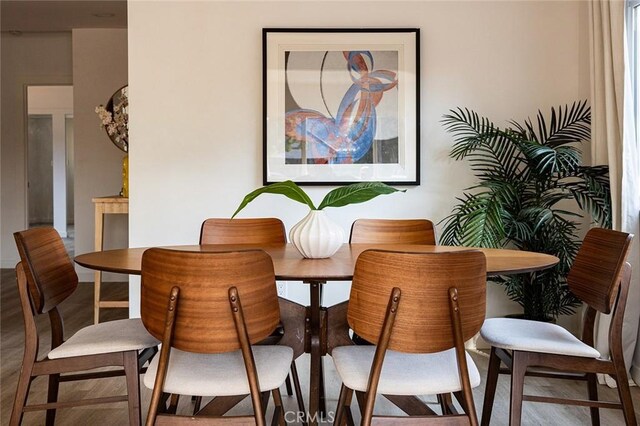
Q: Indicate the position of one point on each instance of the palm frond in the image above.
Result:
(466, 124)
(551, 197)
(503, 190)
(566, 125)
(590, 188)
(492, 153)
(475, 222)
(545, 159)
(573, 125)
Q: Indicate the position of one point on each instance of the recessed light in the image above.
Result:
(104, 15)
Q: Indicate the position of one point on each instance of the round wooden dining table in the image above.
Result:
(316, 329)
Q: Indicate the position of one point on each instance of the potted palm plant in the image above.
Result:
(528, 175)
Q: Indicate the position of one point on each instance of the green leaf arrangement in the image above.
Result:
(339, 197)
(526, 176)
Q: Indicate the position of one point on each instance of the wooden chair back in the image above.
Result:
(393, 231)
(204, 322)
(423, 322)
(50, 274)
(595, 275)
(243, 231)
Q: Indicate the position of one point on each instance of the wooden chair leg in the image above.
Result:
(345, 395)
(52, 396)
(197, 402)
(469, 407)
(322, 407)
(624, 393)
(592, 386)
(442, 404)
(132, 374)
(173, 404)
(287, 383)
(298, 389)
(162, 405)
(146, 355)
(462, 400)
(97, 279)
(361, 398)
(278, 412)
(493, 372)
(264, 400)
(517, 387)
(348, 416)
(158, 399)
(22, 392)
(446, 404)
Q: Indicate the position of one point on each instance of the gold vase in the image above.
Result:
(125, 177)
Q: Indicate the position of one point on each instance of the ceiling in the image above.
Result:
(54, 15)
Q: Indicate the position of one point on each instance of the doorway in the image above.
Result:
(50, 159)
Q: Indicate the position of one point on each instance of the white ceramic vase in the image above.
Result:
(316, 236)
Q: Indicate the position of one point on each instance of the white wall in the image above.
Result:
(99, 69)
(29, 59)
(50, 98)
(195, 76)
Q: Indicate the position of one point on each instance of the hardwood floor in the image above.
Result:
(78, 313)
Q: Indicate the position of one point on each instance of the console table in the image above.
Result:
(105, 205)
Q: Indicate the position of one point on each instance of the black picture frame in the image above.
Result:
(332, 114)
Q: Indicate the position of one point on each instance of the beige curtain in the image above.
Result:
(614, 143)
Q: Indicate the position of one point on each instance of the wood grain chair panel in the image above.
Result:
(423, 321)
(50, 273)
(396, 231)
(243, 231)
(595, 275)
(204, 280)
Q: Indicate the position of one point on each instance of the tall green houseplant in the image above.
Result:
(529, 175)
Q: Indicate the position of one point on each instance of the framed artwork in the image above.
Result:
(341, 106)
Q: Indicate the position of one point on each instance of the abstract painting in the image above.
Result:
(341, 106)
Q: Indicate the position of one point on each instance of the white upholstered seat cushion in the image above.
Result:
(106, 337)
(534, 336)
(221, 374)
(403, 373)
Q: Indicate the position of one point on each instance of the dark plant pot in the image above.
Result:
(522, 316)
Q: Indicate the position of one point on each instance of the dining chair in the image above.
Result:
(208, 309)
(46, 278)
(419, 308)
(393, 231)
(600, 278)
(252, 231)
(390, 231)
